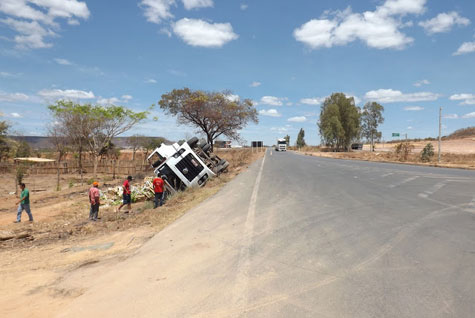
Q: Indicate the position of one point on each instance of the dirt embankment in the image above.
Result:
(34, 264)
(456, 153)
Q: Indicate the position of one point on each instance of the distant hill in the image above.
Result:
(43, 143)
(462, 133)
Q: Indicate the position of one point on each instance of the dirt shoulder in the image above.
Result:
(448, 160)
(61, 240)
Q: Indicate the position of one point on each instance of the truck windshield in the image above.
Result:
(156, 160)
(282, 142)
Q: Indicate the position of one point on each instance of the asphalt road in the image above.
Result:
(300, 236)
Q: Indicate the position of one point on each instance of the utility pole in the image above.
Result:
(440, 131)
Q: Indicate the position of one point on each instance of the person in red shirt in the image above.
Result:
(158, 189)
(94, 199)
(126, 199)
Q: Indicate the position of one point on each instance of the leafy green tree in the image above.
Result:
(23, 149)
(339, 122)
(100, 123)
(301, 138)
(213, 113)
(371, 118)
(427, 153)
(287, 140)
(5, 143)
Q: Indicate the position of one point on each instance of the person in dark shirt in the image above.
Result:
(24, 204)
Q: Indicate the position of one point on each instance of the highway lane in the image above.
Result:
(301, 236)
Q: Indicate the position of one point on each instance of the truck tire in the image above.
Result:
(222, 167)
(202, 144)
(192, 142)
(206, 148)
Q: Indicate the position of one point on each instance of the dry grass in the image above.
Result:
(72, 221)
(451, 160)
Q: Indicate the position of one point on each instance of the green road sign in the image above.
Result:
(395, 134)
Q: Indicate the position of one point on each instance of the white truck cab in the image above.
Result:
(186, 165)
(281, 145)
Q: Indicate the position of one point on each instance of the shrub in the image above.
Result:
(403, 150)
(427, 153)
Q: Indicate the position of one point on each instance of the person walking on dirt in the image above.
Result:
(158, 189)
(24, 204)
(126, 199)
(94, 199)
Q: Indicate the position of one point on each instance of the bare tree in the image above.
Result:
(135, 142)
(59, 138)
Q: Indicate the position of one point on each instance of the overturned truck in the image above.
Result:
(186, 165)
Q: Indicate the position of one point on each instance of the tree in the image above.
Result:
(427, 153)
(100, 124)
(339, 122)
(59, 139)
(300, 138)
(72, 119)
(287, 140)
(5, 144)
(213, 113)
(23, 149)
(371, 117)
(135, 142)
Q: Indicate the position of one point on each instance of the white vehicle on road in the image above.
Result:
(281, 145)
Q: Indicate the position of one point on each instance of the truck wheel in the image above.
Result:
(192, 142)
(202, 144)
(206, 148)
(222, 167)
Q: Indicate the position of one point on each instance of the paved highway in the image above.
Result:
(300, 236)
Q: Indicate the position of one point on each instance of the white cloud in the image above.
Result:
(244, 6)
(467, 47)
(380, 29)
(65, 94)
(393, 96)
(270, 113)
(34, 20)
(193, 4)
(272, 100)
(451, 116)
(196, 32)
(108, 101)
(444, 22)
(13, 97)
(297, 119)
(281, 130)
(7, 74)
(422, 82)
(312, 101)
(469, 115)
(126, 97)
(62, 61)
(151, 81)
(16, 115)
(289, 103)
(413, 108)
(468, 99)
(232, 97)
(255, 84)
(157, 10)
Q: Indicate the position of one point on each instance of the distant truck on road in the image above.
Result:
(281, 145)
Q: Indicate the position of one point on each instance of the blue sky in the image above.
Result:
(412, 56)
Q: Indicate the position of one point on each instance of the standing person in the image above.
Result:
(94, 199)
(126, 195)
(24, 204)
(158, 189)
